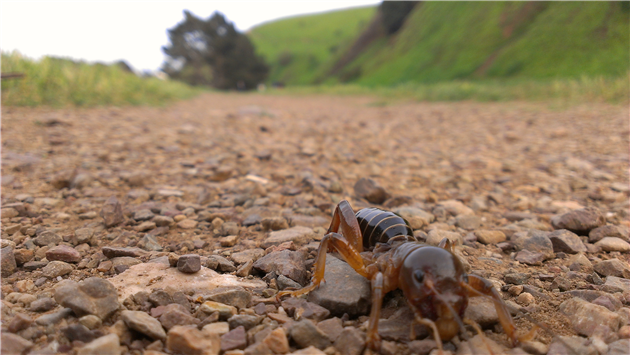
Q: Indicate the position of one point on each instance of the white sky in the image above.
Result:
(135, 31)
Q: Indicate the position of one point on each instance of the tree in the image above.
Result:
(212, 52)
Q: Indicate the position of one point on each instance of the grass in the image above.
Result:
(564, 91)
(301, 49)
(59, 82)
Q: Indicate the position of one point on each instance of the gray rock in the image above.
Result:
(219, 263)
(613, 267)
(580, 221)
(516, 278)
(397, 327)
(188, 340)
(176, 314)
(84, 235)
(14, 344)
(566, 241)
(78, 332)
(577, 345)
(43, 304)
(608, 301)
(234, 339)
(589, 319)
(247, 255)
(619, 347)
(299, 308)
(609, 230)
(144, 323)
(53, 318)
(416, 217)
(482, 311)
(244, 320)
(91, 296)
(435, 236)
(189, 263)
(534, 241)
(158, 297)
(529, 258)
(580, 263)
(56, 268)
(91, 321)
(306, 334)
(331, 327)
(112, 212)
(370, 190)
(285, 282)
(143, 215)
(616, 282)
(7, 261)
(114, 252)
(613, 244)
(20, 322)
(63, 253)
(297, 234)
(344, 291)
(105, 345)
(47, 238)
(351, 341)
(490, 236)
(468, 222)
(149, 243)
(233, 296)
(286, 262)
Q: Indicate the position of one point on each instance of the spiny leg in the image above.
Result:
(436, 334)
(373, 339)
(345, 219)
(338, 243)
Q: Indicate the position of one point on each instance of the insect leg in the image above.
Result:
(345, 220)
(373, 339)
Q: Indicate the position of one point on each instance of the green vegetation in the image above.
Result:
(561, 91)
(62, 82)
(301, 49)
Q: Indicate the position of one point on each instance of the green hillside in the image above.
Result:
(443, 41)
(300, 49)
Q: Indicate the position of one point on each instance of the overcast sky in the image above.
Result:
(135, 31)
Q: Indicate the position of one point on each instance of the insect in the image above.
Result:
(432, 278)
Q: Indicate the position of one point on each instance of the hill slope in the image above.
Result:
(301, 48)
(443, 41)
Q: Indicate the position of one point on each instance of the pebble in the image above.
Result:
(234, 339)
(106, 345)
(187, 224)
(468, 222)
(91, 321)
(416, 217)
(613, 267)
(455, 208)
(311, 350)
(112, 213)
(143, 215)
(618, 283)
(114, 252)
(53, 318)
(145, 226)
(370, 190)
(277, 341)
(233, 296)
(350, 341)
(56, 268)
(589, 319)
(566, 241)
(344, 291)
(534, 242)
(304, 333)
(144, 323)
(78, 332)
(297, 234)
(580, 221)
(91, 296)
(63, 253)
(613, 244)
(7, 261)
(43, 304)
(224, 310)
(12, 343)
(490, 236)
(286, 262)
(189, 263)
(619, 347)
(435, 236)
(188, 340)
(19, 322)
(482, 311)
(47, 238)
(580, 263)
(247, 255)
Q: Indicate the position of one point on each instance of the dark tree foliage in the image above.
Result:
(395, 13)
(212, 52)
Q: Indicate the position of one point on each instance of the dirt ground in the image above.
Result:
(513, 167)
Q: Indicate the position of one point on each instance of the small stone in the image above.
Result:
(91, 321)
(105, 345)
(188, 340)
(247, 255)
(277, 341)
(244, 320)
(233, 296)
(43, 304)
(47, 238)
(435, 236)
(234, 339)
(580, 263)
(56, 268)
(13, 343)
(297, 234)
(22, 256)
(619, 347)
(187, 224)
(144, 323)
(344, 291)
(566, 241)
(145, 226)
(114, 252)
(454, 208)
(370, 190)
(91, 296)
(175, 314)
(78, 332)
(274, 223)
(618, 283)
(613, 267)
(112, 213)
(525, 298)
(63, 253)
(88, 215)
(529, 258)
(143, 215)
(613, 244)
(53, 318)
(218, 328)
(299, 309)
(588, 319)
(306, 334)
(534, 241)
(189, 263)
(286, 262)
(351, 341)
(608, 301)
(20, 322)
(7, 261)
(490, 236)
(468, 222)
(609, 230)
(311, 350)
(580, 221)
(224, 310)
(422, 347)
(228, 241)
(482, 311)
(564, 345)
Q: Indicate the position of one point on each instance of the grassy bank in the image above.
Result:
(569, 91)
(61, 82)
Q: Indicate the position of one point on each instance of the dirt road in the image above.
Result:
(230, 177)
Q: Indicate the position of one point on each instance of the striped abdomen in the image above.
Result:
(378, 226)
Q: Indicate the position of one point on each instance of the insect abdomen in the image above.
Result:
(378, 226)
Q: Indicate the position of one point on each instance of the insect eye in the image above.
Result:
(419, 275)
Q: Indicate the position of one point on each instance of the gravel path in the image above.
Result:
(169, 230)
